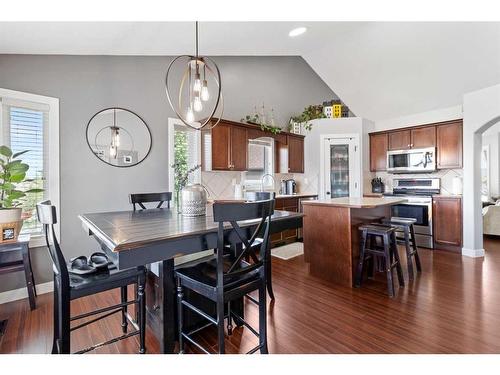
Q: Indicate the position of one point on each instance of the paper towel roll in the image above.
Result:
(456, 187)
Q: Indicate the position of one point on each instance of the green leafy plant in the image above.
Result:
(311, 112)
(255, 119)
(12, 176)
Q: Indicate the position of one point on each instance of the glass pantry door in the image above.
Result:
(341, 180)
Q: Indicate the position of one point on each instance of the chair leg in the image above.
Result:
(409, 259)
(63, 320)
(399, 268)
(56, 318)
(123, 292)
(141, 298)
(361, 261)
(263, 320)
(388, 268)
(220, 325)
(415, 249)
(180, 296)
(229, 319)
(269, 279)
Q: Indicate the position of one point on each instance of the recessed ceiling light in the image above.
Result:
(298, 31)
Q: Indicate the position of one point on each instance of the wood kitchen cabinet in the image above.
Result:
(423, 137)
(449, 145)
(400, 140)
(228, 148)
(445, 136)
(447, 222)
(295, 154)
(378, 152)
(225, 148)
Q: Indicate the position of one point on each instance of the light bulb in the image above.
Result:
(117, 139)
(112, 151)
(190, 115)
(197, 106)
(205, 95)
(197, 83)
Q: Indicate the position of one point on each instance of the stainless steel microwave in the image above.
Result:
(411, 161)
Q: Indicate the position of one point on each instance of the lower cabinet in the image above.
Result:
(289, 235)
(447, 222)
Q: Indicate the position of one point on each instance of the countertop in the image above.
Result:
(365, 202)
(299, 195)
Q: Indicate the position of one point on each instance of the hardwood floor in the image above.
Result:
(452, 307)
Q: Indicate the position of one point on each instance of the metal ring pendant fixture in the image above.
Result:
(194, 104)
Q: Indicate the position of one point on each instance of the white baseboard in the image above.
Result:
(17, 294)
(472, 253)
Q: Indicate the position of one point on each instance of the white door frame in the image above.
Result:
(356, 174)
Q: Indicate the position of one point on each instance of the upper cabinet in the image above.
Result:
(423, 137)
(378, 152)
(400, 140)
(295, 154)
(449, 145)
(225, 148)
(445, 136)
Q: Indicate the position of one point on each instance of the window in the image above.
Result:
(31, 122)
(260, 163)
(185, 149)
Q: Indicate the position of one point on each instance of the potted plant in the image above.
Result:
(12, 192)
(311, 112)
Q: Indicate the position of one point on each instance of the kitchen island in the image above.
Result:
(331, 238)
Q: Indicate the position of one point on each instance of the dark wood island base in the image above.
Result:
(331, 238)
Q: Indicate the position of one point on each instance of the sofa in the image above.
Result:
(491, 219)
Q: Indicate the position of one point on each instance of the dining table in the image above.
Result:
(156, 237)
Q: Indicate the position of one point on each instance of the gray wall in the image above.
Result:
(87, 84)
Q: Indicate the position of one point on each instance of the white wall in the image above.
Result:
(491, 137)
(390, 69)
(421, 118)
(309, 181)
(481, 111)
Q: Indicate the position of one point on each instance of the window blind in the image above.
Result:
(26, 130)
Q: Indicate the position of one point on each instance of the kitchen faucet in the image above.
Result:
(262, 181)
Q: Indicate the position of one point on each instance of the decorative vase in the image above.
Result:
(10, 224)
(177, 203)
(194, 200)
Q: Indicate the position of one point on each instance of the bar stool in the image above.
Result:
(406, 226)
(388, 252)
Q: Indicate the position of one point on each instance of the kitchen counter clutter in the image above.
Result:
(365, 202)
(331, 237)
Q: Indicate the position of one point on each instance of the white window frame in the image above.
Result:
(172, 123)
(53, 179)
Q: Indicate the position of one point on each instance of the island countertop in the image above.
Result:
(364, 202)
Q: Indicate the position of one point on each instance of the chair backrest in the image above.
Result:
(234, 212)
(142, 198)
(259, 195)
(47, 216)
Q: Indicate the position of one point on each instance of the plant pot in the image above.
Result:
(10, 224)
(10, 215)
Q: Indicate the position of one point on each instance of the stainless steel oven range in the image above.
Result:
(418, 192)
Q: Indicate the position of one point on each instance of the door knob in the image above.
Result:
(327, 193)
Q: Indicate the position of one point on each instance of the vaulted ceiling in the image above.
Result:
(379, 69)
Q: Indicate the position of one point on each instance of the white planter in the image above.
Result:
(10, 215)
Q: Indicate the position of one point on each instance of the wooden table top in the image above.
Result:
(365, 202)
(126, 230)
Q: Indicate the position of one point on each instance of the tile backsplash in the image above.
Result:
(220, 184)
(446, 176)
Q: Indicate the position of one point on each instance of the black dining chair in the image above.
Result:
(254, 196)
(223, 277)
(69, 287)
(141, 198)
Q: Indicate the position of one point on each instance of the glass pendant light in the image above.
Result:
(200, 102)
(205, 95)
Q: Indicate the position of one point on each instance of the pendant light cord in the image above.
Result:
(196, 42)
